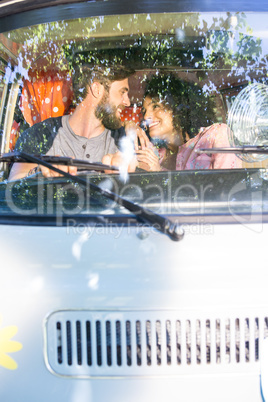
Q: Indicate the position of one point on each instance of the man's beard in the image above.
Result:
(106, 112)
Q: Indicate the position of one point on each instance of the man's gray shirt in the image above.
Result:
(55, 137)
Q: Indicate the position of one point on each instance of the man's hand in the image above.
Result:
(117, 159)
(46, 172)
(21, 170)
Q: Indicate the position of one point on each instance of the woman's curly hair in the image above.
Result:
(190, 107)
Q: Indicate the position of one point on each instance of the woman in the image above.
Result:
(173, 111)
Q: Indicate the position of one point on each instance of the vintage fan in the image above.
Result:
(248, 120)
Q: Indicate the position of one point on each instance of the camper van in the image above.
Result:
(148, 284)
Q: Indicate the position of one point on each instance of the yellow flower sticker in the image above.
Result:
(8, 346)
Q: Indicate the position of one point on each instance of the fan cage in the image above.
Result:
(248, 120)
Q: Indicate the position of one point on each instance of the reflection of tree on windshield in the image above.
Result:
(217, 51)
(193, 43)
(157, 41)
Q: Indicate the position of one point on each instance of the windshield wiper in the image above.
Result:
(248, 149)
(59, 160)
(162, 224)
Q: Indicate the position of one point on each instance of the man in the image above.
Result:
(91, 132)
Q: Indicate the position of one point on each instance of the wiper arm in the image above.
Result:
(59, 160)
(249, 149)
(162, 224)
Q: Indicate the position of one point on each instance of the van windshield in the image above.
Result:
(195, 86)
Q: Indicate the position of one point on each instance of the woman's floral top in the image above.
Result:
(215, 136)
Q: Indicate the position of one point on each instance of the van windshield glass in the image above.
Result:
(157, 96)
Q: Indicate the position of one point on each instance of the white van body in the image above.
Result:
(98, 306)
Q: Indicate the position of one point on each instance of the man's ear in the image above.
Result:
(97, 89)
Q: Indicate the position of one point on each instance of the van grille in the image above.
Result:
(87, 343)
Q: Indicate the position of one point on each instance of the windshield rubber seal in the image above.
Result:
(39, 12)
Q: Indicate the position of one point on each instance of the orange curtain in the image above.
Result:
(15, 131)
(131, 113)
(46, 94)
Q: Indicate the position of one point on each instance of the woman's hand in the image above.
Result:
(146, 157)
(148, 160)
(138, 135)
